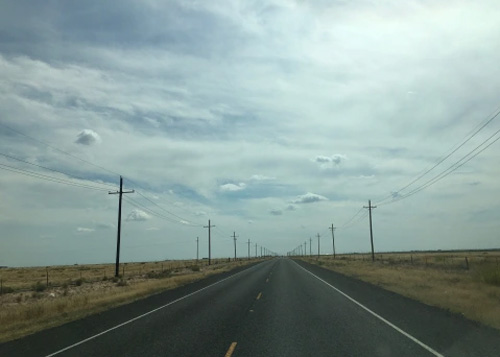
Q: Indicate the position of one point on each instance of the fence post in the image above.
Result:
(466, 263)
(47, 269)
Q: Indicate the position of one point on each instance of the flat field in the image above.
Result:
(466, 283)
(33, 299)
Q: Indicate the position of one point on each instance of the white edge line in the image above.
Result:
(143, 315)
(420, 343)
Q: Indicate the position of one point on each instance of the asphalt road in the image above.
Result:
(275, 308)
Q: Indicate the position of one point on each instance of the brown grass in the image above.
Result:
(25, 312)
(436, 279)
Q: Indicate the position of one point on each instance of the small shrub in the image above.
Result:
(36, 295)
(79, 282)
(489, 274)
(39, 287)
(19, 298)
(7, 290)
(122, 283)
(158, 274)
(195, 268)
(104, 278)
(115, 279)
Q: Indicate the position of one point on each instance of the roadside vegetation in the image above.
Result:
(30, 302)
(466, 283)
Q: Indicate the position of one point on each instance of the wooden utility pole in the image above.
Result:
(318, 246)
(255, 250)
(370, 207)
(305, 248)
(310, 246)
(197, 248)
(120, 193)
(249, 249)
(209, 242)
(332, 228)
(234, 237)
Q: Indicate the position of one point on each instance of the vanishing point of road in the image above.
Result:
(278, 307)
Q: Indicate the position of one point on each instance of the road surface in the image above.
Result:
(279, 307)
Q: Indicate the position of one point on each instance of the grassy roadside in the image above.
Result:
(23, 313)
(474, 292)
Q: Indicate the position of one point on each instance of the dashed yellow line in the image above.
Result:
(259, 296)
(230, 351)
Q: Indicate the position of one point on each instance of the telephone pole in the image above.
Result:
(310, 246)
(234, 237)
(120, 193)
(209, 246)
(318, 245)
(255, 250)
(249, 249)
(332, 228)
(305, 248)
(197, 248)
(370, 207)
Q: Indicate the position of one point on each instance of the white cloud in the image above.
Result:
(276, 212)
(309, 198)
(330, 161)
(261, 178)
(137, 216)
(230, 187)
(84, 230)
(88, 137)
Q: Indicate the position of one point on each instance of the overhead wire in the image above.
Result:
(465, 159)
(49, 178)
(476, 130)
(51, 169)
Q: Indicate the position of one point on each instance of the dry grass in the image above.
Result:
(436, 279)
(22, 313)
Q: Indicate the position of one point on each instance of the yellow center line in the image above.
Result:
(230, 351)
(258, 296)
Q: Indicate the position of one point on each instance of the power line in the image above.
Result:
(51, 169)
(49, 178)
(455, 166)
(163, 209)
(57, 149)
(468, 137)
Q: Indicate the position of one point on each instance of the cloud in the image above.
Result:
(230, 187)
(261, 178)
(104, 226)
(291, 208)
(84, 230)
(152, 229)
(309, 198)
(137, 216)
(276, 212)
(329, 161)
(88, 137)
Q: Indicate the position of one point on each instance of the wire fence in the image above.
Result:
(42, 278)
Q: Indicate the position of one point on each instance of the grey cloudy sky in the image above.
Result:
(274, 119)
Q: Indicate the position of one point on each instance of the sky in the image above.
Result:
(272, 119)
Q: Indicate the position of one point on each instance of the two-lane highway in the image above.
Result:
(276, 308)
